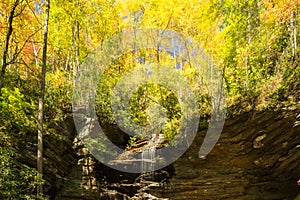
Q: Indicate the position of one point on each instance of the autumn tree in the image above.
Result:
(5, 62)
(41, 100)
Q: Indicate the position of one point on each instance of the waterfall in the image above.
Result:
(149, 153)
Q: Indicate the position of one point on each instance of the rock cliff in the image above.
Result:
(256, 157)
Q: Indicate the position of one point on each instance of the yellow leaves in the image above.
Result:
(169, 14)
(57, 79)
(193, 18)
(279, 10)
(131, 6)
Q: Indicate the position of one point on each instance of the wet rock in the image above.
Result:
(112, 195)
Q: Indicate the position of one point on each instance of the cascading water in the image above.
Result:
(149, 153)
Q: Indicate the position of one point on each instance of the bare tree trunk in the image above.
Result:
(76, 48)
(41, 101)
(76, 44)
(249, 35)
(257, 9)
(292, 34)
(36, 54)
(7, 39)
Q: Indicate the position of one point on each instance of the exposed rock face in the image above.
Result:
(257, 157)
(59, 156)
(81, 182)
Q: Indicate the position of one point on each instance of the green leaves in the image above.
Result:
(16, 112)
(17, 181)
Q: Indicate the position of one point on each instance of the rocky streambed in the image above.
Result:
(256, 157)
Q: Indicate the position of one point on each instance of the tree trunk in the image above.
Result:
(76, 43)
(292, 34)
(41, 102)
(7, 39)
(295, 32)
(249, 37)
